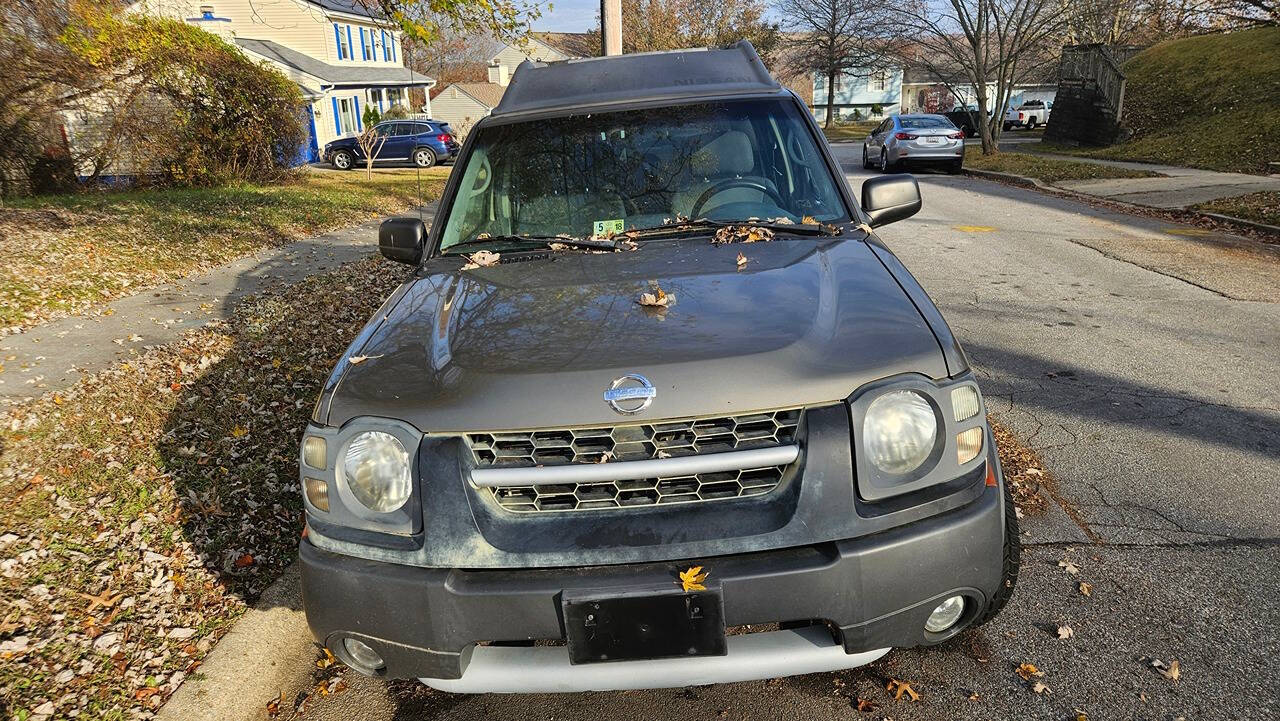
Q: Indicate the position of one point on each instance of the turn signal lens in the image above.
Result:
(964, 403)
(314, 452)
(317, 493)
(968, 445)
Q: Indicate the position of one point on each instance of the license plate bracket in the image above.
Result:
(643, 626)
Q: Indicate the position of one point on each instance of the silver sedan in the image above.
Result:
(918, 139)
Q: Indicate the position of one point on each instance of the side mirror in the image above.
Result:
(890, 198)
(402, 239)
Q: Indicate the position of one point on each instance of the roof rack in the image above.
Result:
(664, 75)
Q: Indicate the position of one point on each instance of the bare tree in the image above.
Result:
(370, 142)
(834, 38)
(991, 44)
(673, 24)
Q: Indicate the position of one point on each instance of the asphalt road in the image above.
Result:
(1147, 381)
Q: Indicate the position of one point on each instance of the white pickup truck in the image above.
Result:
(1029, 115)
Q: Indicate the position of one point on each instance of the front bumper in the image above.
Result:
(874, 592)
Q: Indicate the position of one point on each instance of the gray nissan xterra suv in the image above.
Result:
(600, 439)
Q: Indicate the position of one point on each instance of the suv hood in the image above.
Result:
(534, 344)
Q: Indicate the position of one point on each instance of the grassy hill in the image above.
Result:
(1211, 101)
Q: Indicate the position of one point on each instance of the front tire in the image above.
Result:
(1012, 553)
(424, 158)
(344, 160)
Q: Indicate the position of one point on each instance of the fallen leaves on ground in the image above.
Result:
(1065, 632)
(1069, 567)
(692, 579)
(1171, 670)
(1041, 687)
(1086, 588)
(897, 688)
(326, 660)
(1027, 670)
(863, 705)
(1018, 462)
(174, 520)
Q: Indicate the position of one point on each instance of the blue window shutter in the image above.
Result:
(337, 40)
(364, 54)
(393, 47)
(337, 119)
(350, 46)
(359, 123)
(386, 53)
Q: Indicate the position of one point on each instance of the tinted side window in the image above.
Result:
(419, 128)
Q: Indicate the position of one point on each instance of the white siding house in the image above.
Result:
(343, 58)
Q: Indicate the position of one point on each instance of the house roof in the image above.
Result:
(487, 94)
(351, 75)
(575, 45)
(350, 7)
(657, 76)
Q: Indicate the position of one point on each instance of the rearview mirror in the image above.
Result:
(890, 198)
(402, 239)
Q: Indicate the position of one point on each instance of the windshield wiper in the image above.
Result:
(541, 241)
(694, 226)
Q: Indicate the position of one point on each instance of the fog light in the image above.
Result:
(314, 452)
(945, 615)
(365, 658)
(968, 445)
(317, 493)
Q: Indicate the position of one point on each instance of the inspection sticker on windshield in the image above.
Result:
(606, 228)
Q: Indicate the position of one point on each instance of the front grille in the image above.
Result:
(638, 442)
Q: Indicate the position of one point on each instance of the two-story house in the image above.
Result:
(462, 104)
(868, 91)
(343, 58)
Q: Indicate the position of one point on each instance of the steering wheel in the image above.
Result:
(695, 211)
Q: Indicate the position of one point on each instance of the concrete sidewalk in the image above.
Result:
(1184, 187)
(54, 355)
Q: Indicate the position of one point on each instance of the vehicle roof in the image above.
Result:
(921, 115)
(657, 77)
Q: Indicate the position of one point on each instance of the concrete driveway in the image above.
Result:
(1153, 402)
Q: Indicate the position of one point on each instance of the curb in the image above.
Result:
(1038, 184)
(267, 651)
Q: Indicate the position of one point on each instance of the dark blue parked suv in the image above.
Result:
(421, 142)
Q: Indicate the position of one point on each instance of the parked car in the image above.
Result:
(421, 142)
(966, 120)
(595, 435)
(1030, 115)
(918, 139)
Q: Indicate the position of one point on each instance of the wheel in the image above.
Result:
(1012, 558)
(955, 166)
(884, 162)
(343, 160)
(866, 161)
(424, 158)
(1007, 126)
(1031, 124)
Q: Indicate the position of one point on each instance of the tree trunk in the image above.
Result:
(985, 120)
(831, 97)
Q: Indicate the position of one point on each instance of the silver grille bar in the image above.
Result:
(626, 470)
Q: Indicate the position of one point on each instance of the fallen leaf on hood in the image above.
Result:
(743, 234)
(1065, 632)
(742, 260)
(692, 579)
(481, 259)
(1041, 688)
(356, 360)
(1027, 670)
(897, 688)
(657, 299)
(1069, 567)
(1086, 588)
(864, 705)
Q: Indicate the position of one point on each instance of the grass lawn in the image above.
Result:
(1210, 101)
(67, 253)
(1049, 170)
(1258, 207)
(849, 131)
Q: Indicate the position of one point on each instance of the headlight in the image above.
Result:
(899, 431)
(375, 466)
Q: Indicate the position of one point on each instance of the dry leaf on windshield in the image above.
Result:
(809, 220)
(897, 688)
(743, 234)
(784, 220)
(1027, 670)
(1065, 632)
(481, 259)
(692, 579)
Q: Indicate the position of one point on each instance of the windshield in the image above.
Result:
(925, 122)
(605, 173)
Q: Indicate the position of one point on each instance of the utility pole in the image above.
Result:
(611, 27)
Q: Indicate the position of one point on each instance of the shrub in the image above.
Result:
(371, 116)
(396, 112)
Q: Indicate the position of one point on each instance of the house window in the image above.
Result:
(344, 43)
(881, 79)
(375, 98)
(394, 96)
(366, 37)
(348, 114)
